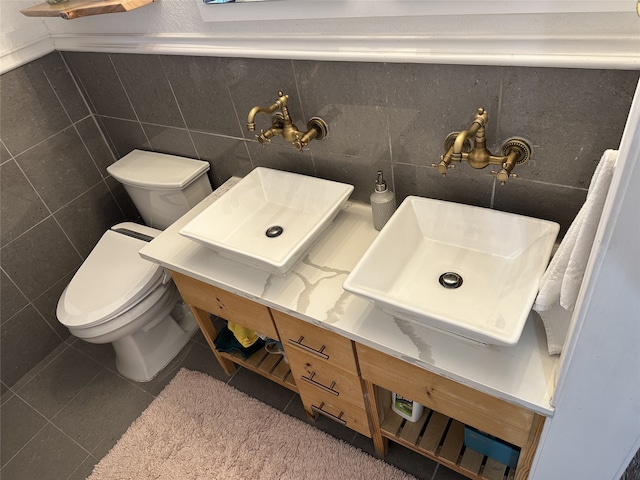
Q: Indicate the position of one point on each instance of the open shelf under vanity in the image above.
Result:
(442, 439)
(269, 365)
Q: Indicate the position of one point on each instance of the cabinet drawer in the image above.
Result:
(225, 305)
(322, 344)
(312, 374)
(344, 413)
(490, 414)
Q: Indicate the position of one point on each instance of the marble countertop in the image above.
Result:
(523, 374)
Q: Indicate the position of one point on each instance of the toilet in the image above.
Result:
(118, 297)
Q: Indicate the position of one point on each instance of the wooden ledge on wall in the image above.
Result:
(83, 8)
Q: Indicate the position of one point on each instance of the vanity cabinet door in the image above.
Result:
(226, 305)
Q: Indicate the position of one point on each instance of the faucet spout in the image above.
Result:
(457, 147)
(281, 102)
(282, 125)
(479, 122)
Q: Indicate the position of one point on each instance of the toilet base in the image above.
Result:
(142, 355)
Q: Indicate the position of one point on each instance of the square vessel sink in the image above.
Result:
(466, 270)
(269, 219)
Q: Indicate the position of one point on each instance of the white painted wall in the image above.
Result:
(22, 39)
(596, 428)
(587, 33)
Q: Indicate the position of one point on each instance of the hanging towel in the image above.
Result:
(561, 281)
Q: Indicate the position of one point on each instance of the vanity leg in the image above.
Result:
(528, 451)
(376, 416)
(210, 333)
(310, 415)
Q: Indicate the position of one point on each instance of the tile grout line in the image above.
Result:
(72, 474)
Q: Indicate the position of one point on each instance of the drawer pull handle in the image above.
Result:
(315, 383)
(320, 410)
(301, 345)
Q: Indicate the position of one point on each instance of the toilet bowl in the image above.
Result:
(118, 297)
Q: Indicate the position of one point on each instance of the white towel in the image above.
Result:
(561, 281)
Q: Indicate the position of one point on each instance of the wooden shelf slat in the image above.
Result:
(442, 440)
(269, 363)
(493, 470)
(271, 366)
(282, 370)
(453, 442)
(83, 8)
(433, 434)
(471, 461)
(392, 424)
(256, 359)
(411, 430)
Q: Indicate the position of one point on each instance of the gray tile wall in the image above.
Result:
(56, 202)
(392, 117)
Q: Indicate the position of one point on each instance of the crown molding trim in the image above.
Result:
(607, 51)
(612, 51)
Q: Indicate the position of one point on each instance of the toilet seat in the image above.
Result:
(113, 279)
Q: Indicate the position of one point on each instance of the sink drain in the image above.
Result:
(450, 280)
(274, 231)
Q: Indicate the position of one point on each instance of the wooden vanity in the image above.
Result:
(345, 357)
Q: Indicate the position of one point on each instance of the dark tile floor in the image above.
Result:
(66, 414)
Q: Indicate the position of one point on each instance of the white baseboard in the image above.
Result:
(20, 56)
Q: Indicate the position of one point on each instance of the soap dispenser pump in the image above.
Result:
(383, 203)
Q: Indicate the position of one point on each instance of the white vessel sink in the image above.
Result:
(499, 257)
(269, 219)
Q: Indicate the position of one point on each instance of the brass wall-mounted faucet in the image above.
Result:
(282, 125)
(457, 147)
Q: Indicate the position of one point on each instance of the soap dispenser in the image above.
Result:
(383, 203)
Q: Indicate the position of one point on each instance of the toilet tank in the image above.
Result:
(163, 187)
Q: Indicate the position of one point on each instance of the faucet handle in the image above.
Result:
(443, 166)
(264, 137)
(503, 175)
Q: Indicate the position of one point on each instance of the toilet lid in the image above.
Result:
(110, 281)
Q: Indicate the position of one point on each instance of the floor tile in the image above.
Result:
(261, 388)
(50, 455)
(91, 405)
(444, 473)
(42, 364)
(6, 394)
(20, 423)
(61, 380)
(101, 353)
(84, 469)
(98, 416)
(410, 461)
(201, 359)
(296, 409)
(365, 444)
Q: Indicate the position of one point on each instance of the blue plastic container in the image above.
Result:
(491, 446)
